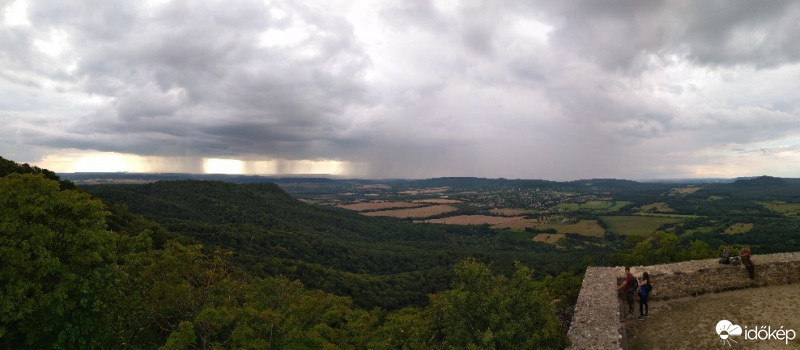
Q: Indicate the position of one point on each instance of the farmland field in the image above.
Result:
(685, 190)
(659, 207)
(364, 206)
(517, 225)
(702, 230)
(438, 201)
(373, 187)
(422, 212)
(548, 237)
(424, 191)
(637, 225)
(739, 228)
(584, 227)
(673, 216)
(473, 220)
(509, 212)
(597, 206)
(791, 210)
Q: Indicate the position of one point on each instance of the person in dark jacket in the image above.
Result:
(628, 287)
(644, 292)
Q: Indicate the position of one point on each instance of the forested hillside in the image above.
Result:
(377, 261)
(77, 276)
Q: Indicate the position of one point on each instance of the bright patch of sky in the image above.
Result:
(16, 14)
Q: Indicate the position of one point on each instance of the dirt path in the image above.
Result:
(690, 323)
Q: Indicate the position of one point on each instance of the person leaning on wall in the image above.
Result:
(744, 255)
(628, 287)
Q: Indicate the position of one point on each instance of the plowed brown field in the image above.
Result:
(379, 205)
(422, 212)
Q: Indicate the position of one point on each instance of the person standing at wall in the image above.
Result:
(644, 291)
(628, 287)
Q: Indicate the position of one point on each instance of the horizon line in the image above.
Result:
(342, 177)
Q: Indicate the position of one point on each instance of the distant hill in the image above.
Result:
(761, 181)
(759, 188)
(121, 177)
(454, 183)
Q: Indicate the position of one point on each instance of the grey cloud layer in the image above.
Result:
(186, 73)
(618, 33)
(517, 89)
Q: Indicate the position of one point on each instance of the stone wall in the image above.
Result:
(596, 323)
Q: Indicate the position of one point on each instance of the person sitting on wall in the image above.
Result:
(744, 255)
(726, 257)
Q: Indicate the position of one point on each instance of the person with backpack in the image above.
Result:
(644, 291)
(629, 287)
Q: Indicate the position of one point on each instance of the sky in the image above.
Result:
(557, 90)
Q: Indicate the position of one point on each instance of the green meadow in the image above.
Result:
(637, 225)
(596, 206)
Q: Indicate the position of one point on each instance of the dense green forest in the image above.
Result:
(381, 262)
(79, 273)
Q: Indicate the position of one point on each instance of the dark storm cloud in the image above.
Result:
(205, 71)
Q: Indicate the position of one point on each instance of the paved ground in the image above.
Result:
(690, 323)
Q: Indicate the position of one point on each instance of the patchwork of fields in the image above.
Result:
(650, 217)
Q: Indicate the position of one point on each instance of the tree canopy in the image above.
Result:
(56, 256)
(68, 282)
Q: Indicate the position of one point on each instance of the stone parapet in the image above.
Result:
(691, 278)
(596, 323)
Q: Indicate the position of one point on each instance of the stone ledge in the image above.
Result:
(596, 323)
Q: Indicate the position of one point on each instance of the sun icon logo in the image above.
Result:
(726, 329)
